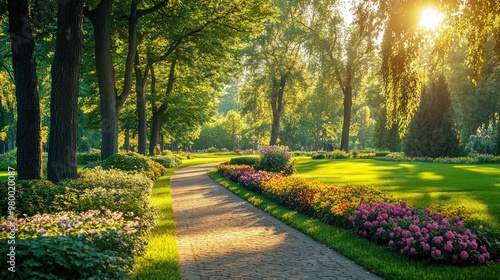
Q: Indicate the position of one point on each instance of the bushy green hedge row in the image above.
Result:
(86, 158)
(251, 161)
(168, 161)
(7, 160)
(134, 163)
(475, 159)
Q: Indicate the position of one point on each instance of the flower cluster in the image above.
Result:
(420, 233)
(275, 159)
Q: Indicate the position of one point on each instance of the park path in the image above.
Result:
(221, 236)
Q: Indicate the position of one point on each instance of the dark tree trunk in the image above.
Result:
(344, 143)
(277, 107)
(155, 128)
(162, 142)
(28, 137)
(63, 140)
(158, 113)
(101, 21)
(126, 145)
(140, 81)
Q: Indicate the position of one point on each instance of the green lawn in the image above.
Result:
(477, 187)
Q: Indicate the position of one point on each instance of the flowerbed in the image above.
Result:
(421, 234)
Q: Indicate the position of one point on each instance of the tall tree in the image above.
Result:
(344, 48)
(28, 137)
(432, 131)
(275, 63)
(63, 138)
(101, 18)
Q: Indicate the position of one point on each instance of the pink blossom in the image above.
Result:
(464, 255)
(473, 244)
(463, 245)
(438, 239)
(448, 246)
(449, 235)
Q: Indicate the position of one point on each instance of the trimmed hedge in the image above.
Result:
(135, 163)
(85, 158)
(251, 161)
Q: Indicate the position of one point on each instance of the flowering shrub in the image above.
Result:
(420, 233)
(63, 257)
(108, 230)
(168, 161)
(134, 163)
(274, 159)
(98, 189)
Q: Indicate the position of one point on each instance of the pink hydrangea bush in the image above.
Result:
(420, 233)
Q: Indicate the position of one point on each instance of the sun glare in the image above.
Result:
(430, 19)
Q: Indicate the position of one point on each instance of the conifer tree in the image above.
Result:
(432, 131)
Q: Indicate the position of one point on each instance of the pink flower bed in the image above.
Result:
(420, 233)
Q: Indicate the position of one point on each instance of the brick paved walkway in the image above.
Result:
(221, 236)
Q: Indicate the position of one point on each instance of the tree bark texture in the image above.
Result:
(28, 135)
(344, 143)
(63, 137)
(277, 107)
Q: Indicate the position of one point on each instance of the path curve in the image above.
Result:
(221, 236)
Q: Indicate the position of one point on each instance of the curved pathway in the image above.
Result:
(221, 236)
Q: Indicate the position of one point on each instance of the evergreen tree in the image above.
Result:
(432, 131)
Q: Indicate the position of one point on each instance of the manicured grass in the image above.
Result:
(4, 176)
(161, 260)
(477, 187)
(373, 257)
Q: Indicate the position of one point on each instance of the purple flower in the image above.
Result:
(448, 246)
(437, 239)
(464, 255)
(449, 235)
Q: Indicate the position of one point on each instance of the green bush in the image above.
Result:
(338, 154)
(168, 161)
(134, 163)
(251, 161)
(213, 150)
(113, 190)
(185, 155)
(31, 197)
(63, 257)
(8, 160)
(318, 156)
(85, 158)
(274, 159)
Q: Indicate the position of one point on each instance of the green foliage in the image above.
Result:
(432, 131)
(134, 163)
(318, 156)
(63, 257)
(274, 159)
(251, 161)
(168, 161)
(86, 158)
(31, 197)
(8, 160)
(213, 150)
(113, 190)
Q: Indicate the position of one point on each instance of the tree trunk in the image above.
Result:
(101, 21)
(155, 128)
(140, 81)
(344, 143)
(275, 128)
(28, 135)
(277, 107)
(162, 142)
(63, 139)
(126, 145)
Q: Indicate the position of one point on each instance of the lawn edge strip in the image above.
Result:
(369, 255)
(161, 260)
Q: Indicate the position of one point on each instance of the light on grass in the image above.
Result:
(430, 19)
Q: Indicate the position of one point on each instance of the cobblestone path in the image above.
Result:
(221, 236)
